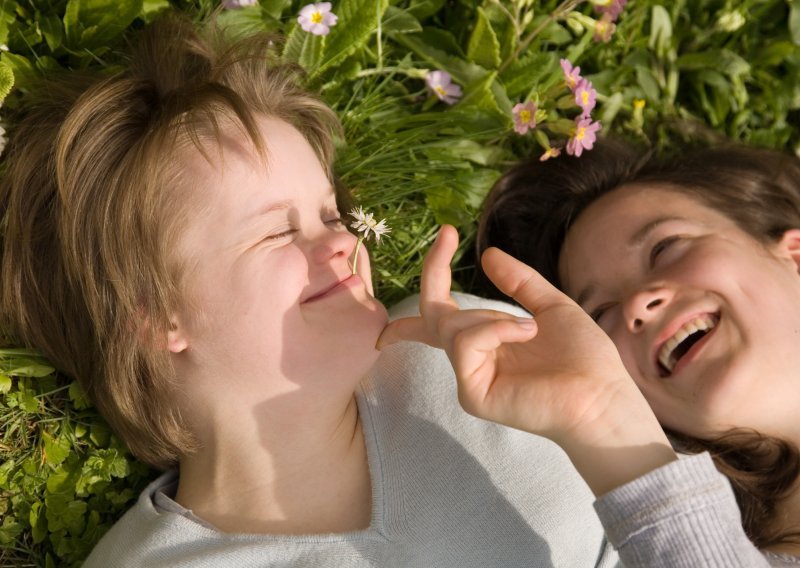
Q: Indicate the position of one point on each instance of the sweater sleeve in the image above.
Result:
(681, 514)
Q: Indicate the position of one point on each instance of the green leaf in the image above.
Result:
(464, 72)
(303, 48)
(483, 47)
(425, 8)
(660, 30)
(24, 368)
(5, 382)
(91, 24)
(528, 72)
(794, 21)
(77, 396)
(357, 22)
(647, 81)
(400, 21)
(152, 8)
(56, 450)
(274, 8)
(52, 30)
(722, 60)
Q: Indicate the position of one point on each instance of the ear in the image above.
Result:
(177, 341)
(788, 247)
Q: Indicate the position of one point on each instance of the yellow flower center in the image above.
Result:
(316, 18)
(440, 90)
(524, 116)
(585, 97)
(638, 103)
(580, 134)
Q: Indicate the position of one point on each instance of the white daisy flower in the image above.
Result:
(365, 223)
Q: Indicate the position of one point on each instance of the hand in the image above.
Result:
(559, 375)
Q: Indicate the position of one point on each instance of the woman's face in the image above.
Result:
(706, 319)
(273, 302)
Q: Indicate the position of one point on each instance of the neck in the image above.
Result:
(291, 469)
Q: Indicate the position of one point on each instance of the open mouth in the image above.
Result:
(683, 340)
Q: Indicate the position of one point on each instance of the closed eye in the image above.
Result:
(335, 221)
(282, 235)
(599, 312)
(660, 247)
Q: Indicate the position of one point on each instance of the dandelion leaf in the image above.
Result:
(483, 47)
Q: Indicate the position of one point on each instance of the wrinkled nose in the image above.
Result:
(644, 305)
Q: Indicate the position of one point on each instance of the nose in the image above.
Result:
(331, 244)
(643, 306)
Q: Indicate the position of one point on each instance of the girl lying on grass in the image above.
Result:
(692, 267)
(173, 239)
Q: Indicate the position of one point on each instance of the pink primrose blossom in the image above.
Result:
(604, 29)
(583, 137)
(317, 18)
(236, 4)
(441, 84)
(572, 75)
(613, 9)
(524, 117)
(550, 153)
(585, 97)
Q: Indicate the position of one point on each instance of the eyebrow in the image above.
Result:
(272, 207)
(638, 238)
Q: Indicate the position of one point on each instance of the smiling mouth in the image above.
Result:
(329, 290)
(683, 340)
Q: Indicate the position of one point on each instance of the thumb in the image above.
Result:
(406, 329)
(521, 282)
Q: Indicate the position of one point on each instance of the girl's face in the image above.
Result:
(706, 319)
(273, 302)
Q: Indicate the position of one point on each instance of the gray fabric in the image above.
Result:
(449, 490)
(682, 514)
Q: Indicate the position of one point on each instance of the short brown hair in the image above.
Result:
(93, 201)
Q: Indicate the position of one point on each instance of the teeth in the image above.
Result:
(700, 323)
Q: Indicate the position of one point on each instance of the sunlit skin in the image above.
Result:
(645, 260)
(272, 340)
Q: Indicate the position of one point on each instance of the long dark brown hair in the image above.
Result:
(531, 208)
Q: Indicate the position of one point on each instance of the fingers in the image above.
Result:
(407, 329)
(521, 282)
(475, 351)
(435, 298)
(448, 326)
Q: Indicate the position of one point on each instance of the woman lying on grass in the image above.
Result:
(173, 239)
(692, 267)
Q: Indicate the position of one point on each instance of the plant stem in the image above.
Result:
(355, 253)
(565, 8)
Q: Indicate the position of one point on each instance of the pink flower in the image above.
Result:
(604, 29)
(585, 97)
(236, 4)
(550, 153)
(584, 136)
(524, 117)
(612, 8)
(317, 18)
(571, 74)
(441, 84)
